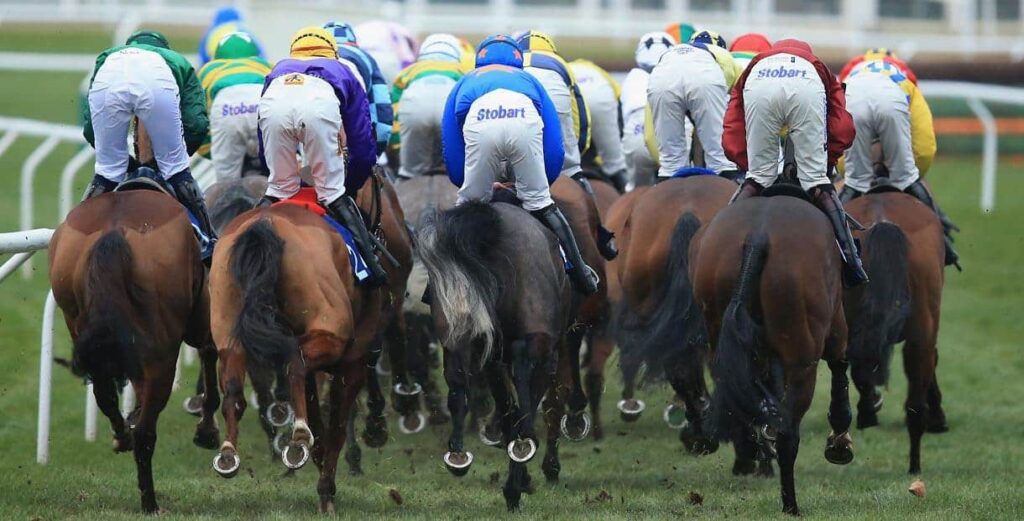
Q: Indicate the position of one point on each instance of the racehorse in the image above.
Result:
(125, 269)
(283, 293)
(656, 319)
(501, 302)
(903, 252)
(767, 277)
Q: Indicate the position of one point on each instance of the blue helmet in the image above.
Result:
(343, 33)
(499, 50)
(709, 38)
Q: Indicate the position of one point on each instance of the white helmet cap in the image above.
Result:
(651, 47)
(441, 47)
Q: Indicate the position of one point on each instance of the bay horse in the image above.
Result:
(767, 277)
(657, 322)
(903, 251)
(283, 293)
(125, 269)
(501, 302)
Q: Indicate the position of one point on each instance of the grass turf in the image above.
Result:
(971, 472)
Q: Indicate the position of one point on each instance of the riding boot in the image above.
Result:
(189, 195)
(735, 176)
(918, 190)
(605, 238)
(749, 188)
(583, 278)
(848, 193)
(99, 186)
(824, 197)
(344, 209)
(618, 180)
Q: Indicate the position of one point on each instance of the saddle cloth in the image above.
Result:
(690, 171)
(306, 198)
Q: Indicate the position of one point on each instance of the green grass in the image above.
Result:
(971, 472)
(85, 38)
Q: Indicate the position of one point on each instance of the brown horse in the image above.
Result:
(656, 320)
(126, 271)
(767, 276)
(282, 292)
(903, 252)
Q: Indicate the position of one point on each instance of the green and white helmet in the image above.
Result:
(236, 45)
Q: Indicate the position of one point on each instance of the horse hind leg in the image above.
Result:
(343, 393)
(376, 432)
(687, 378)
(919, 364)
(232, 381)
(936, 415)
(105, 392)
(457, 460)
(556, 420)
(799, 392)
(299, 448)
(207, 436)
(599, 348)
(870, 401)
(839, 447)
(576, 424)
(156, 390)
(262, 382)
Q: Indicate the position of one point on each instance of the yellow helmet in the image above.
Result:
(536, 41)
(313, 41)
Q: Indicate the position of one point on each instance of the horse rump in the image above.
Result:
(105, 347)
(676, 326)
(738, 396)
(884, 306)
(256, 267)
(458, 248)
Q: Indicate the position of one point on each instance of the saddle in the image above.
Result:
(882, 185)
(145, 178)
(306, 198)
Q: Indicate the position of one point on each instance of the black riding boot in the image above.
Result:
(824, 197)
(605, 238)
(749, 188)
(191, 197)
(619, 180)
(848, 194)
(265, 201)
(921, 193)
(99, 186)
(583, 278)
(344, 209)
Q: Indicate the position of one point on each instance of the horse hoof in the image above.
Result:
(768, 433)
(412, 423)
(193, 405)
(576, 427)
(280, 441)
(375, 435)
(326, 506)
(696, 444)
(123, 443)
(486, 439)
(226, 464)
(206, 438)
(413, 389)
(879, 399)
(280, 414)
(522, 450)
(674, 416)
(631, 409)
(295, 455)
(458, 462)
(866, 421)
(839, 448)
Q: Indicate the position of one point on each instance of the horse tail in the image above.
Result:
(885, 305)
(457, 247)
(737, 395)
(677, 325)
(106, 346)
(256, 267)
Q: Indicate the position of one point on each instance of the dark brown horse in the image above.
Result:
(657, 322)
(126, 271)
(282, 292)
(767, 277)
(903, 253)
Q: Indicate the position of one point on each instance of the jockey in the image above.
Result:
(641, 159)
(886, 106)
(789, 86)
(418, 94)
(367, 70)
(226, 20)
(233, 82)
(499, 117)
(601, 93)
(313, 100)
(146, 79)
(680, 31)
(390, 43)
(878, 53)
(692, 80)
(746, 46)
(542, 60)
